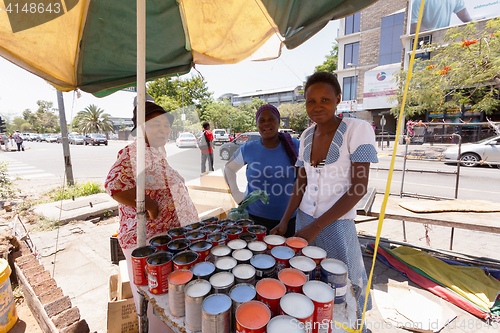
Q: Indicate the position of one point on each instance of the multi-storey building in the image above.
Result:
(275, 97)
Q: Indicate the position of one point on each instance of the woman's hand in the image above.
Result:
(151, 208)
(309, 233)
(280, 229)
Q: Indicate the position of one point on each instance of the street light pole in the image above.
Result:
(183, 114)
(356, 78)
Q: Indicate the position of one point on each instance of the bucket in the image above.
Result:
(139, 256)
(252, 317)
(265, 266)
(176, 233)
(226, 222)
(269, 292)
(248, 237)
(259, 230)
(159, 267)
(318, 255)
(222, 282)
(282, 254)
(217, 238)
(233, 231)
(244, 274)
(203, 248)
(257, 247)
(194, 226)
(195, 235)
(243, 256)
(284, 324)
(293, 279)
(334, 272)
(178, 245)
(216, 315)
(300, 307)
(240, 294)
(305, 265)
(177, 281)
(273, 241)
(8, 314)
(244, 223)
(195, 293)
(210, 220)
(219, 251)
(237, 244)
(212, 228)
(322, 296)
(296, 244)
(203, 270)
(225, 264)
(185, 260)
(160, 242)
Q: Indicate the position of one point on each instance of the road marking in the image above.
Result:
(22, 170)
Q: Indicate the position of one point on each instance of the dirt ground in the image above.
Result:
(26, 322)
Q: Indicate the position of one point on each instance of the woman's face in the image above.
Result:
(268, 124)
(321, 102)
(157, 129)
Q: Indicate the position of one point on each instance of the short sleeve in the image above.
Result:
(361, 142)
(210, 135)
(415, 9)
(459, 6)
(120, 177)
(300, 155)
(238, 156)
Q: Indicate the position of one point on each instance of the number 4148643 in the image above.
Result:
(33, 8)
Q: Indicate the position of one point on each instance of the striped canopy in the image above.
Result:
(91, 44)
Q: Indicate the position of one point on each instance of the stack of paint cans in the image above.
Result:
(222, 282)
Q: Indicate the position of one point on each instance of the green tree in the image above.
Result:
(330, 63)
(93, 120)
(464, 71)
(20, 124)
(299, 120)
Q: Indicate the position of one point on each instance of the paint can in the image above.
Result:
(242, 256)
(240, 294)
(8, 314)
(194, 226)
(211, 228)
(318, 255)
(178, 245)
(259, 230)
(139, 257)
(269, 292)
(265, 266)
(195, 235)
(284, 324)
(225, 264)
(177, 280)
(244, 223)
(222, 282)
(226, 222)
(282, 254)
(334, 273)
(300, 307)
(322, 296)
(293, 279)
(219, 251)
(203, 270)
(248, 237)
(185, 260)
(244, 274)
(233, 231)
(203, 248)
(305, 265)
(195, 292)
(236, 244)
(296, 244)
(217, 238)
(160, 242)
(177, 233)
(252, 317)
(273, 241)
(257, 247)
(159, 267)
(210, 220)
(216, 314)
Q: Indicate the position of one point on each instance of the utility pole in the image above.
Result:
(64, 136)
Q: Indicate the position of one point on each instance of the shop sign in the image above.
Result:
(452, 113)
(472, 113)
(435, 114)
(379, 84)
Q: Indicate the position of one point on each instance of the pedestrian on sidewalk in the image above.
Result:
(18, 139)
(207, 154)
(167, 200)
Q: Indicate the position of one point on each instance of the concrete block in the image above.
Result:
(57, 306)
(78, 327)
(51, 296)
(28, 264)
(33, 270)
(38, 277)
(66, 318)
(44, 286)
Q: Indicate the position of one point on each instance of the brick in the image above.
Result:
(66, 318)
(24, 258)
(28, 264)
(38, 277)
(7, 206)
(57, 306)
(50, 296)
(17, 254)
(33, 270)
(44, 286)
(78, 327)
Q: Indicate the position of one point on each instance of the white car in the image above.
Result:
(186, 140)
(220, 136)
(487, 150)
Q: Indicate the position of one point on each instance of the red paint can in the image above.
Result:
(248, 237)
(273, 241)
(226, 222)
(177, 233)
(195, 235)
(252, 317)
(217, 238)
(210, 220)
(185, 260)
(296, 244)
(203, 248)
(282, 254)
(300, 307)
(139, 257)
(194, 226)
(293, 279)
(159, 267)
(178, 245)
(269, 292)
(233, 232)
(160, 242)
(244, 223)
(259, 230)
(323, 297)
(211, 228)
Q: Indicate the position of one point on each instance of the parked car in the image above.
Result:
(52, 138)
(3, 138)
(186, 140)
(290, 131)
(76, 140)
(33, 136)
(59, 138)
(95, 139)
(42, 137)
(220, 136)
(227, 150)
(487, 150)
(26, 136)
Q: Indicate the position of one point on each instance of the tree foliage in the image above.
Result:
(93, 120)
(299, 120)
(464, 70)
(330, 63)
(44, 120)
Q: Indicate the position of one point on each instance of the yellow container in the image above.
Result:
(8, 314)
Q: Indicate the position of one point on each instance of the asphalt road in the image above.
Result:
(42, 165)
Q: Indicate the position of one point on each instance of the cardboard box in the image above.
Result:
(124, 290)
(122, 315)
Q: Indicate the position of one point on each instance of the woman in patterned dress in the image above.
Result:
(167, 201)
(334, 163)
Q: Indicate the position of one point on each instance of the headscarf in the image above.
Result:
(285, 138)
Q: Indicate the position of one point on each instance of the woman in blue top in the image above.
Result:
(270, 167)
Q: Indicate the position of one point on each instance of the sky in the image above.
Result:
(20, 90)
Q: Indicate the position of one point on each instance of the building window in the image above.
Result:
(392, 27)
(423, 42)
(350, 88)
(353, 23)
(351, 54)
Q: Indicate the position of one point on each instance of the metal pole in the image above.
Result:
(458, 165)
(64, 135)
(183, 114)
(404, 167)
